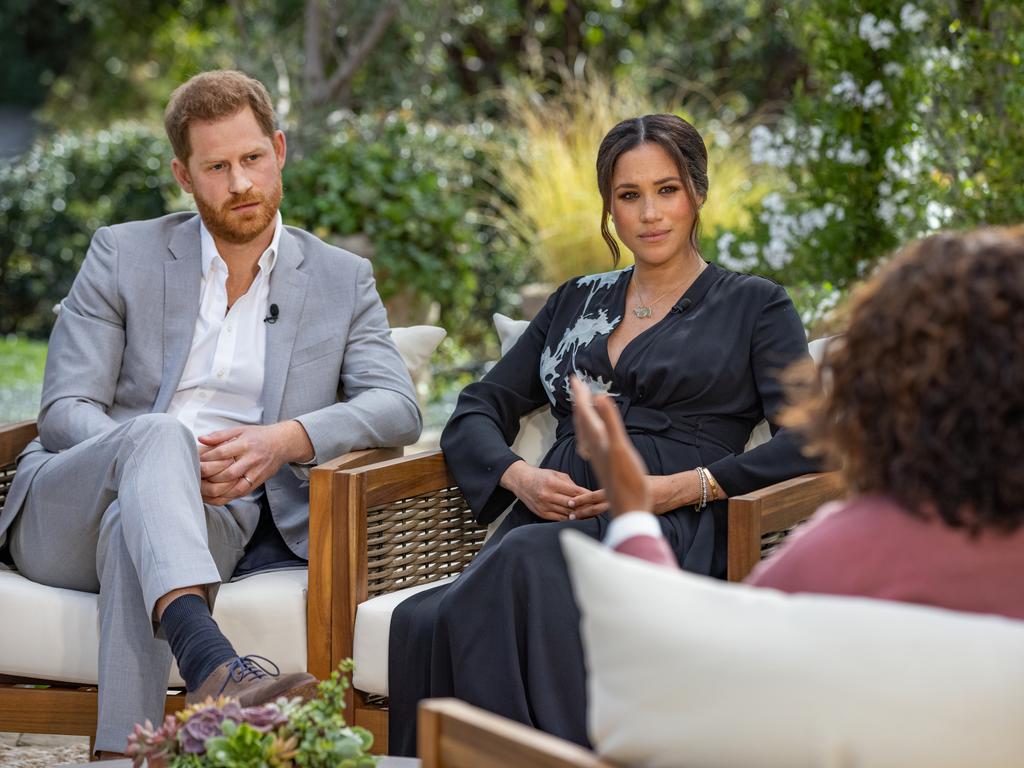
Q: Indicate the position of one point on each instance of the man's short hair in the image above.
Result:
(211, 96)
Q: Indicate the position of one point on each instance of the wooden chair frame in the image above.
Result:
(406, 524)
(71, 709)
(453, 734)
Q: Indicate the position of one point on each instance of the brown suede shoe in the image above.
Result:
(245, 679)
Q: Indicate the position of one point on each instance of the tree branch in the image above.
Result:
(341, 77)
(313, 73)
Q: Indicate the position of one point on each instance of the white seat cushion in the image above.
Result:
(371, 637)
(53, 634)
(723, 675)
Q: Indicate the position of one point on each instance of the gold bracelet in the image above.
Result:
(713, 484)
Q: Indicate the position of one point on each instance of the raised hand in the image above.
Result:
(602, 440)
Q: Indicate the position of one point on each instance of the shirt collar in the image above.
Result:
(267, 259)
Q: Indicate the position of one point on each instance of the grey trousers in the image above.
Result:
(121, 514)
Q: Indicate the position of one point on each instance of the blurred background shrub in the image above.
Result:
(551, 177)
(455, 141)
(52, 200)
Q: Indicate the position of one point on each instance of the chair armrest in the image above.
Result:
(774, 508)
(378, 526)
(354, 459)
(327, 556)
(13, 439)
(453, 734)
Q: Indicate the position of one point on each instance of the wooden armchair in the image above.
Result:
(407, 524)
(453, 734)
(41, 704)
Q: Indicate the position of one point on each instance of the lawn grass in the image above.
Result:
(21, 377)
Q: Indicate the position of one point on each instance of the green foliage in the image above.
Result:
(286, 734)
(908, 125)
(21, 378)
(422, 195)
(54, 197)
(239, 746)
(324, 740)
(38, 40)
(975, 109)
(552, 181)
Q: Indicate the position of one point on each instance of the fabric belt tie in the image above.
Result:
(730, 434)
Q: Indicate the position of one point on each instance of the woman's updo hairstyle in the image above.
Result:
(683, 144)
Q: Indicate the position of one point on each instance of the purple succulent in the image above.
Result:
(203, 725)
(153, 747)
(265, 718)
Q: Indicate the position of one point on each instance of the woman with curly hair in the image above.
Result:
(924, 409)
(921, 403)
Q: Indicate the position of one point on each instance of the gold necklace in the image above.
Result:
(643, 310)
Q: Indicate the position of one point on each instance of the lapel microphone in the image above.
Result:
(682, 306)
(272, 317)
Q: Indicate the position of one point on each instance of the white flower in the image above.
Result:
(874, 95)
(727, 260)
(887, 211)
(723, 244)
(773, 202)
(937, 215)
(846, 154)
(847, 89)
(893, 70)
(876, 32)
(912, 19)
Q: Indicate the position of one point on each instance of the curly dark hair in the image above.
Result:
(923, 398)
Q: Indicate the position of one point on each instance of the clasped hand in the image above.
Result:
(232, 462)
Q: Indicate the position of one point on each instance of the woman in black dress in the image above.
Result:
(690, 353)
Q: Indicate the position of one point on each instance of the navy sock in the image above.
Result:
(195, 639)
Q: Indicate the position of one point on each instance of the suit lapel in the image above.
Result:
(288, 291)
(182, 284)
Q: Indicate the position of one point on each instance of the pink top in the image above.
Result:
(654, 549)
(871, 547)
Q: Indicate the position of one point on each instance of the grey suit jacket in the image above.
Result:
(124, 332)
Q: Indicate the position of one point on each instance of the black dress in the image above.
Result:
(505, 635)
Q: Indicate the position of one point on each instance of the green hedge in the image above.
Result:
(55, 196)
(420, 193)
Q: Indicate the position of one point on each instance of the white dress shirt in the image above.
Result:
(222, 383)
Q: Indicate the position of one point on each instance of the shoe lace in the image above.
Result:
(245, 668)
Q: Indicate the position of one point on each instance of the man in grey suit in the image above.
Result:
(198, 363)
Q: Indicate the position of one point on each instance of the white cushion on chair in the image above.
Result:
(416, 344)
(686, 669)
(537, 428)
(371, 638)
(53, 634)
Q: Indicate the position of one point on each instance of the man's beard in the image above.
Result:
(226, 225)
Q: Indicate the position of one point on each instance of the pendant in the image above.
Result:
(642, 312)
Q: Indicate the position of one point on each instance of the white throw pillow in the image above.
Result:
(536, 429)
(416, 344)
(685, 670)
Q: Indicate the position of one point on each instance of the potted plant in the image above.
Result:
(286, 734)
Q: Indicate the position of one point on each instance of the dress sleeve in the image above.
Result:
(778, 341)
(485, 422)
